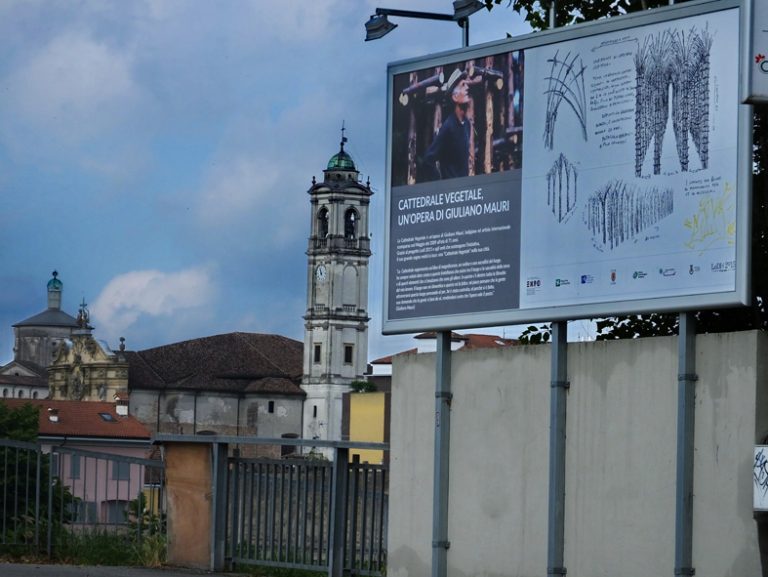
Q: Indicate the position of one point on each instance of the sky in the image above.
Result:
(158, 153)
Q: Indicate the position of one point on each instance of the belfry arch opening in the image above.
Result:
(351, 219)
(322, 223)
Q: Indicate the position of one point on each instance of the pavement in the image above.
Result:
(44, 570)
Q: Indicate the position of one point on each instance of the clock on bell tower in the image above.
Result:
(336, 320)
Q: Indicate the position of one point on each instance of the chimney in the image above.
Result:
(53, 415)
(121, 406)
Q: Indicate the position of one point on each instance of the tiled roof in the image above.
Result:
(84, 419)
(49, 318)
(478, 341)
(23, 381)
(29, 365)
(233, 362)
(470, 341)
(388, 360)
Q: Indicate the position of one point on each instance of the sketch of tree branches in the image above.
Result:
(561, 188)
(618, 212)
(678, 61)
(565, 83)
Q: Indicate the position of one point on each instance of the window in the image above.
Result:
(349, 351)
(5, 392)
(21, 394)
(121, 471)
(271, 406)
(317, 354)
(322, 223)
(83, 511)
(314, 411)
(116, 511)
(350, 224)
(34, 394)
(288, 449)
(253, 414)
(74, 466)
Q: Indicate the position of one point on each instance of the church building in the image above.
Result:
(35, 341)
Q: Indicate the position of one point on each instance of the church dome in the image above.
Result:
(55, 284)
(341, 161)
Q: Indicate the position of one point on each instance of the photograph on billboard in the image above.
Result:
(586, 173)
(455, 194)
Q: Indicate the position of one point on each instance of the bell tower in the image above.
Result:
(336, 320)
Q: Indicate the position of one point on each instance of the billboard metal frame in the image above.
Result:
(741, 294)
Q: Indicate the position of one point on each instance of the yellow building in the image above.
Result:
(366, 418)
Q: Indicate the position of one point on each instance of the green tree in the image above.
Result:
(18, 481)
(575, 11)
(19, 424)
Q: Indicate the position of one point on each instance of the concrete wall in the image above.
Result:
(189, 413)
(620, 464)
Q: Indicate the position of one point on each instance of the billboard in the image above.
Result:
(756, 77)
(587, 171)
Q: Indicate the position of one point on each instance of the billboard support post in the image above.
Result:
(685, 444)
(557, 415)
(443, 397)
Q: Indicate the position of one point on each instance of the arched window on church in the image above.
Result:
(322, 223)
(350, 224)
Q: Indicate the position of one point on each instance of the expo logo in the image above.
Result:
(762, 62)
(533, 283)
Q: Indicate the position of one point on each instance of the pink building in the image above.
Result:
(99, 453)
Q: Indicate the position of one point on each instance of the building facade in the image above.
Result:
(35, 341)
(336, 320)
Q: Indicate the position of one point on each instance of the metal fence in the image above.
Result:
(289, 513)
(54, 494)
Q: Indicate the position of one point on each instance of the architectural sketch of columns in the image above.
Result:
(677, 61)
(565, 83)
(561, 188)
(618, 212)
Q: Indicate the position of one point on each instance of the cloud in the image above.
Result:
(150, 293)
(73, 88)
(244, 196)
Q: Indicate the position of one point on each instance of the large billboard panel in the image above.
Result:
(570, 175)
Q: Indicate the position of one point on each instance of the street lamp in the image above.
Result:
(379, 25)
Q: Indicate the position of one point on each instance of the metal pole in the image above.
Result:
(553, 14)
(686, 379)
(464, 23)
(443, 396)
(338, 512)
(557, 415)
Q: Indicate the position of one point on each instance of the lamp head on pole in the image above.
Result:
(378, 26)
(465, 8)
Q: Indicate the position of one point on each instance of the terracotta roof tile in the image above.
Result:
(84, 419)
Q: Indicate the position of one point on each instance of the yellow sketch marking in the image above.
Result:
(713, 222)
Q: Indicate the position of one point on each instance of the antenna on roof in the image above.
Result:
(343, 138)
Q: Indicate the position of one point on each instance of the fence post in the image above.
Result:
(219, 505)
(234, 484)
(338, 512)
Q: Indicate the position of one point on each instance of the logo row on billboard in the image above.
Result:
(534, 283)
